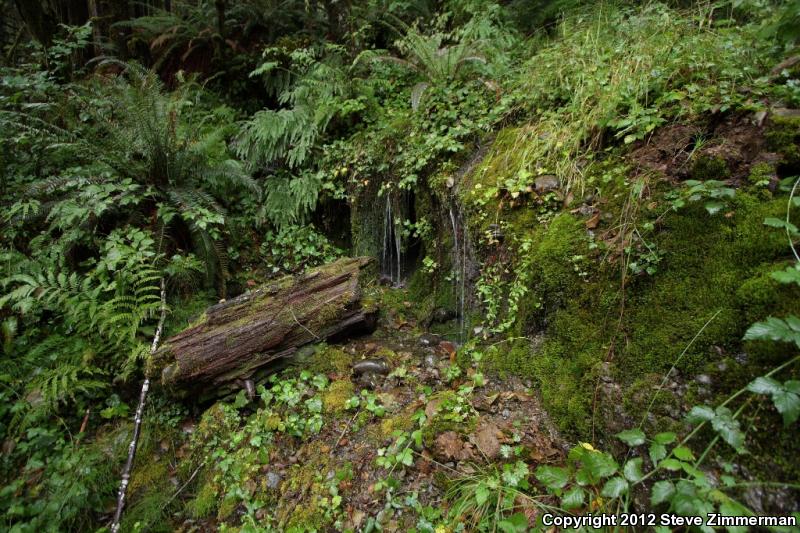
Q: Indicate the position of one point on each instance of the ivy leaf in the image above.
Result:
(573, 498)
(632, 437)
(552, 477)
(792, 385)
(633, 470)
(683, 453)
(764, 385)
(788, 404)
(662, 491)
(614, 487)
(728, 428)
(776, 329)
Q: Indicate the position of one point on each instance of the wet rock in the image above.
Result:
(371, 366)
(430, 361)
(496, 233)
(546, 183)
(429, 339)
(440, 314)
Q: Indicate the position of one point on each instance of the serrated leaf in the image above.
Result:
(614, 487)
(670, 464)
(657, 452)
(662, 491)
(573, 498)
(728, 428)
(633, 470)
(776, 329)
(482, 493)
(632, 437)
(764, 385)
(683, 453)
(788, 405)
(552, 477)
(599, 465)
(788, 275)
(700, 413)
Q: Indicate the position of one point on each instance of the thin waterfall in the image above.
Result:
(459, 268)
(391, 258)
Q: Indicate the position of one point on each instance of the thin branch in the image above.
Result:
(137, 422)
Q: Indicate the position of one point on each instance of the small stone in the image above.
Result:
(429, 361)
(705, 379)
(371, 366)
(273, 480)
(546, 183)
(505, 414)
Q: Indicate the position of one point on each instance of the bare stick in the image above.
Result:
(137, 422)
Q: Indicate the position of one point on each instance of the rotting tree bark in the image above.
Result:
(236, 339)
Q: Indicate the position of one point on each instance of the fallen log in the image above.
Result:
(236, 339)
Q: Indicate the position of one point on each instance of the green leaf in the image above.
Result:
(683, 453)
(665, 438)
(240, 400)
(657, 452)
(670, 464)
(714, 206)
(516, 523)
(790, 275)
(776, 329)
(728, 428)
(780, 223)
(633, 470)
(662, 491)
(632, 437)
(788, 404)
(573, 498)
(599, 465)
(615, 487)
(700, 413)
(482, 493)
(764, 385)
(552, 477)
(734, 508)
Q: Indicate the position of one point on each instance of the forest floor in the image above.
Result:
(468, 425)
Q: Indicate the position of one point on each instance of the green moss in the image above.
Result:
(204, 503)
(335, 396)
(783, 137)
(710, 168)
(761, 174)
(329, 360)
(713, 267)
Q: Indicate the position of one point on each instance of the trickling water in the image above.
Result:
(459, 267)
(392, 247)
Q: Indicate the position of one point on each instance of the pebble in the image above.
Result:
(273, 480)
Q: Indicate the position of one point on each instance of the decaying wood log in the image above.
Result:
(235, 339)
